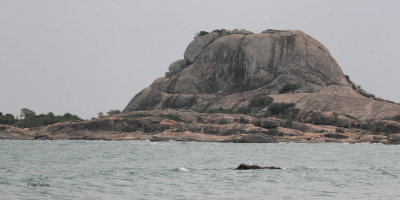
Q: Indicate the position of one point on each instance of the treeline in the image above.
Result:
(29, 119)
(111, 112)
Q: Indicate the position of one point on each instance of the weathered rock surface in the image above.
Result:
(346, 122)
(176, 67)
(181, 125)
(13, 133)
(317, 117)
(197, 46)
(227, 69)
(255, 139)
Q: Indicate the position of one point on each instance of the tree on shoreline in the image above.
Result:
(7, 119)
(29, 119)
(113, 112)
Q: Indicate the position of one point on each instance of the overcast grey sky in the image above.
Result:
(88, 56)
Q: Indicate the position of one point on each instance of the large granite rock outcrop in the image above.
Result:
(226, 69)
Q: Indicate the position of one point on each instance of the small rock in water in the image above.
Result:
(245, 167)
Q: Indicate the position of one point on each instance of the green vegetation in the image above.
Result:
(335, 136)
(201, 33)
(347, 78)
(138, 115)
(172, 117)
(113, 112)
(243, 120)
(7, 119)
(289, 88)
(222, 121)
(282, 111)
(221, 31)
(261, 101)
(359, 88)
(100, 115)
(274, 132)
(364, 93)
(349, 116)
(396, 118)
(221, 110)
(280, 108)
(383, 129)
(29, 119)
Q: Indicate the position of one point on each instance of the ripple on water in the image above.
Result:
(177, 170)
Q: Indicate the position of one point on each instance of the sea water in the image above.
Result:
(71, 169)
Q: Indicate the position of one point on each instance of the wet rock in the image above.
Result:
(42, 137)
(246, 167)
(159, 139)
(255, 138)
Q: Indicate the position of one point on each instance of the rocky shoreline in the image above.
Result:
(182, 125)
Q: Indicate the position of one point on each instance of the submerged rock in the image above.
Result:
(246, 167)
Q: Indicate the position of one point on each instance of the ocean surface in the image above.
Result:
(67, 169)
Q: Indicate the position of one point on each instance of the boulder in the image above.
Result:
(317, 117)
(346, 122)
(323, 117)
(302, 116)
(178, 66)
(235, 31)
(271, 122)
(246, 167)
(197, 46)
(241, 31)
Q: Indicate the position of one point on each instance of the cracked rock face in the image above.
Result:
(238, 63)
(225, 69)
